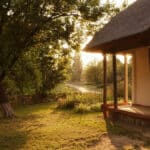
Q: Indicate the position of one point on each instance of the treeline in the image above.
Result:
(93, 74)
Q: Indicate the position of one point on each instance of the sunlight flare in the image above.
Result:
(121, 58)
(88, 58)
(118, 3)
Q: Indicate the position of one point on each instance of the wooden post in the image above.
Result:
(104, 86)
(115, 81)
(104, 80)
(125, 79)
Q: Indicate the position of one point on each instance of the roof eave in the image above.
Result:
(125, 43)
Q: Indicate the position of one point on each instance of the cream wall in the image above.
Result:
(141, 77)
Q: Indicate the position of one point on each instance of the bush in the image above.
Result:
(62, 89)
(79, 102)
(88, 98)
(79, 105)
(67, 103)
(121, 89)
(82, 108)
(96, 107)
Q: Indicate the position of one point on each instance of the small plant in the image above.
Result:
(82, 108)
(96, 107)
(68, 103)
(68, 98)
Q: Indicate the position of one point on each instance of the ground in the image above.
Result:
(43, 127)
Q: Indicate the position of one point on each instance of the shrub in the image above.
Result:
(88, 98)
(80, 102)
(67, 103)
(82, 108)
(96, 107)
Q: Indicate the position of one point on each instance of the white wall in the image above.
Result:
(141, 93)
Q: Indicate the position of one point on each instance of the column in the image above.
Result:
(125, 79)
(115, 81)
(105, 80)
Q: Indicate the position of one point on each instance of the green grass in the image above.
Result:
(43, 127)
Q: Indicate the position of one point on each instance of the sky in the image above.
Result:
(96, 57)
(90, 57)
(118, 3)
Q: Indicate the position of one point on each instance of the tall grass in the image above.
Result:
(72, 99)
(77, 101)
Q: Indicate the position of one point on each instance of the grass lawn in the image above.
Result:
(43, 127)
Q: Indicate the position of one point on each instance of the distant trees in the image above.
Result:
(94, 75)
(76, 68)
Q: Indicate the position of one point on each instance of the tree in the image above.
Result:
(22, 21)
(54, 66)
(22, 74)
(76, 67)
(39, 70)
(94, 73)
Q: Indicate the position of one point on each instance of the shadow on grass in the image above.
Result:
(13, 141)
(69, 113)
(122, 137)
(14, 133)
(29, 109)
(11, 137)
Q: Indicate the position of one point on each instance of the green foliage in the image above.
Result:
(82, 108)
(40, 70)
(79, 102)
(66, 103)
(76, 68)
(94, 73)
(62, 89)
(85, 108)
(54, 68)
(96, 107)
(32, 38)
(21, 21)
(121, 89)
(24, 75)
(11, 86)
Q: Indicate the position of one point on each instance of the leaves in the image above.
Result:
(35, 31)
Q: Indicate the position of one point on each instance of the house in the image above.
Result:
(127, 33)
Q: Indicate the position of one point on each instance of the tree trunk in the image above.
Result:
(7, 110)
(4, 103)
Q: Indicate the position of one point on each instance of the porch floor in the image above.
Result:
(133, 110)
(136, 109)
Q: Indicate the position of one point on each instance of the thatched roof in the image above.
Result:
(129, 29)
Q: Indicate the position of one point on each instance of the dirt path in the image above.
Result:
(82, 88)
(114, 142)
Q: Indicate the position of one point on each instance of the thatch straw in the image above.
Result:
(132, 22)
